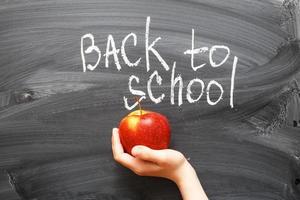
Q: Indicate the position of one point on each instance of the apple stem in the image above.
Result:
(137, 99)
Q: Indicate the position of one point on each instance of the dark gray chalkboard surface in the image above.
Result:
(56, 120)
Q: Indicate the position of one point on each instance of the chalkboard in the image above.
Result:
(226, 69)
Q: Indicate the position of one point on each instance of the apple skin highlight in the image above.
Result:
(142, 127)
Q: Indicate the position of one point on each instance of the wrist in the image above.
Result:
(184, 173)
(188, 183)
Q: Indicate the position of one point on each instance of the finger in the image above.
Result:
(147, 154)
(117, 147)
(140, 167)
(118, 151)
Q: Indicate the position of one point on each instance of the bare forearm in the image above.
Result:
(189, 184)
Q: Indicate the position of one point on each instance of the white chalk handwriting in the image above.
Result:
(176, 81)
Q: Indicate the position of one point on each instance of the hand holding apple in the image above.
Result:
(146, 136)
(166, 163)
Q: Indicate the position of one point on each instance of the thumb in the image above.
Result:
(147, 154)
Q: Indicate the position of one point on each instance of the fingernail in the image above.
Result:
(135, 150)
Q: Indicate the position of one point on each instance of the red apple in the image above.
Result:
(142, 127)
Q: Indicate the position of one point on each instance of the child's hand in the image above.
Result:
(148, 162)
(165, 163)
